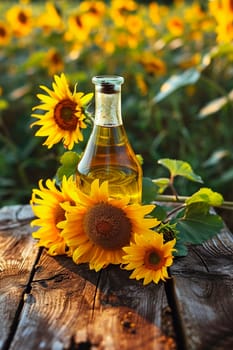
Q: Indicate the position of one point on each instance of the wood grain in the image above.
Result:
(128, 309)
(203, 294)
(17, 257)
(54, 306)
(70, 306)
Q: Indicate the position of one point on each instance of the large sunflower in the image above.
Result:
(98, 226)
(64, 117)
(47, 206)
(149, 257)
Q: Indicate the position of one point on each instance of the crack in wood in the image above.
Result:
(96, 294)
(200, 257)
(177, 322)
(25, 293)
(59, 277)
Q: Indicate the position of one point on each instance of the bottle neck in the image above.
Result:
(108, 109)
(108, 100)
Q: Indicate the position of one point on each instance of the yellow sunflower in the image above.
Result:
(153, 65)
(47, 206)
(50, 19)
(78, 29)
(93, 11)
(98, 226)
(20, 20)
(176, 26)
(53, 61)
(4, 34)
(120, 9)
(149, 257)
(222, 10)
(65, 113)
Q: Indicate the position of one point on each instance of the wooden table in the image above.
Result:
(51, 303)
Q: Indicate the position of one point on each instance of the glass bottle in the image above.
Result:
(108, 154)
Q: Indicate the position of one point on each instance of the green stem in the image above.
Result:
(173, 187)
(171, 198)
(173, 211)
(181, 199)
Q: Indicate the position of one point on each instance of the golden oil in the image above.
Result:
(108, 154)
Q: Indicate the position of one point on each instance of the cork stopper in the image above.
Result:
(108, 84)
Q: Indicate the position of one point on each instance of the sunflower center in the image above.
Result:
(56, 59)
(107, 226)
(59, 215)
(152, 259)
(64, 115)
(93, 10)
(22, 17)
(78, 21)
(2, 32)
(231, 5)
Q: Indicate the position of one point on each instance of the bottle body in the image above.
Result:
(108, 154)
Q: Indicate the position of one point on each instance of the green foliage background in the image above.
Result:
(170, 124)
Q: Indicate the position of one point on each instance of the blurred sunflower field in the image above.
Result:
(176, 59)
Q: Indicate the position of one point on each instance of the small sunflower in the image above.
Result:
(78, 28)
(149, 257)
(54, 61)
(47, 206)
(176, 26)
(20, 19)
(65, 114)
(50, 20)
(4, 34)
(98, 226)
(153, 65)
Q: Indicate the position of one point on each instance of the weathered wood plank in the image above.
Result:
(135, 316)
(70, 306)
(17, 257)
(203, 289)
(61, 299)
(64, 306)
(14, 216)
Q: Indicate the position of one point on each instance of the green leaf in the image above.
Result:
(181, 249)
(162, 184)
(175, 82)
(215, 105)
(196, 209)
(212, 107)
(69, 161)
(159, 212)
(216, 157)
(198, 225)
(181, 168)
(149, 190)
(206, 195)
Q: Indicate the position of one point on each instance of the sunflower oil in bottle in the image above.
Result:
(108, 154)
